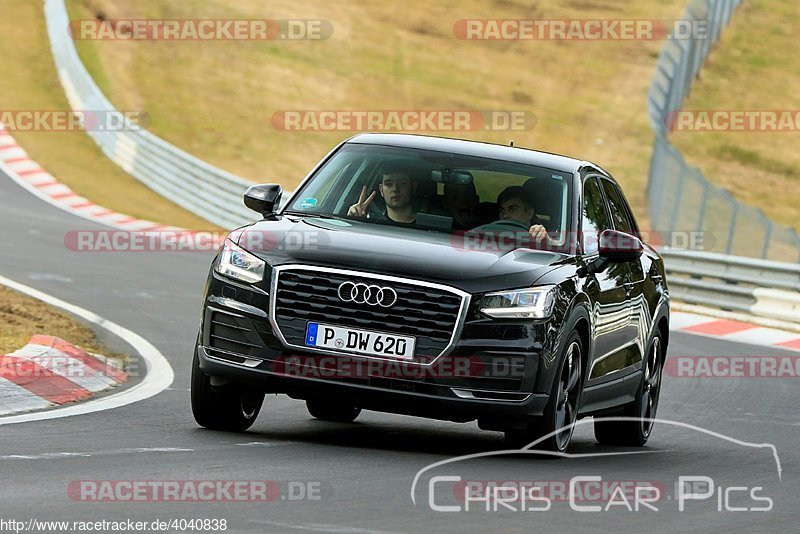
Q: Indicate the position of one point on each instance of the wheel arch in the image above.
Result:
(661, 323)
(578, 318)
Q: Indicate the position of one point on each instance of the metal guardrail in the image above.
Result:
(211, 193)
(761, 288)
(680, 198)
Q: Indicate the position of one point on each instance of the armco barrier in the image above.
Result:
(679, 197)
(761, 288)
(209, 192)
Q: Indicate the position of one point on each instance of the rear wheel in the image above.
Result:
(637, 432)
(225, 408)
(561, 412)
(332, 410)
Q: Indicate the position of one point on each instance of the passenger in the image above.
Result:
(396, 189)
(513, 203)
(461, 203)
(426, 198)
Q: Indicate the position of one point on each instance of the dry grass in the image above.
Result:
(755, 66)
(22, 316)
(28, 81)
(216, 99)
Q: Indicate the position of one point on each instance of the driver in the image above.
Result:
(397, 188)
(513, 203)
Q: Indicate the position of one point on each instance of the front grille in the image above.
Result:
(429, 314)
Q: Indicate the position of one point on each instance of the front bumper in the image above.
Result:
(494, 372)
(436, 402)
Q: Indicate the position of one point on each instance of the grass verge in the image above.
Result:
(22, 316)
(754, 67)
(28, 81)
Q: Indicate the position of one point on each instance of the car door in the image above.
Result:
(609, 289)
(624, 222)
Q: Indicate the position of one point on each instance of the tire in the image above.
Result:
(635, 433)
(561, 412)
(334, 411)
(229, 409)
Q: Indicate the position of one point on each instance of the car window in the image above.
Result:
(595, 216)
(618, 208)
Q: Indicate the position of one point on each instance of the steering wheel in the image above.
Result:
(502, 224)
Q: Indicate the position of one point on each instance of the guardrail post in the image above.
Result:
(767, 236)
(702, 216)
(796, 242)
(678, 200)
(731, 234)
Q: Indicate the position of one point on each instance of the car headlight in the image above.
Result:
(534, 303)
(235, 262)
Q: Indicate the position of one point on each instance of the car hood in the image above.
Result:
(469, 265)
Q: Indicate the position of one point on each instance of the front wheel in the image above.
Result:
(561, 412)
(636, 432)
(226, 408)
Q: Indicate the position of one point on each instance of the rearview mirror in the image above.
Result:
(263, 198)
(617, 246)
(449, 176)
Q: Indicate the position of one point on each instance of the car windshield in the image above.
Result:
(440, 191)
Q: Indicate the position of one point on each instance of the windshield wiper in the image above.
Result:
(317, 215)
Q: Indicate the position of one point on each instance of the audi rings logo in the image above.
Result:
(373, 295)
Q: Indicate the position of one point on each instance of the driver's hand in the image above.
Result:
(538, 232)
(359, 209)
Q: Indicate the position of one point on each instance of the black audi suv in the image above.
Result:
(439, 278)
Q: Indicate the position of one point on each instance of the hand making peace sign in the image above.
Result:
(359, 209)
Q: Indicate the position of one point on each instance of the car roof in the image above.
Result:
(476, 148)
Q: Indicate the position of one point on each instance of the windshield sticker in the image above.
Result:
(308, 203)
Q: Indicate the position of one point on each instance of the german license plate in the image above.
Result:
(360, 341)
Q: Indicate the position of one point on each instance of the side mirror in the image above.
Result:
(263, 198)
(619, 247)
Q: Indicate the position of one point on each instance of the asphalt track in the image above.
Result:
(364, 471)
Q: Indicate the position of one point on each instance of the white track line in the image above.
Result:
(8, 171)
(158, 377)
